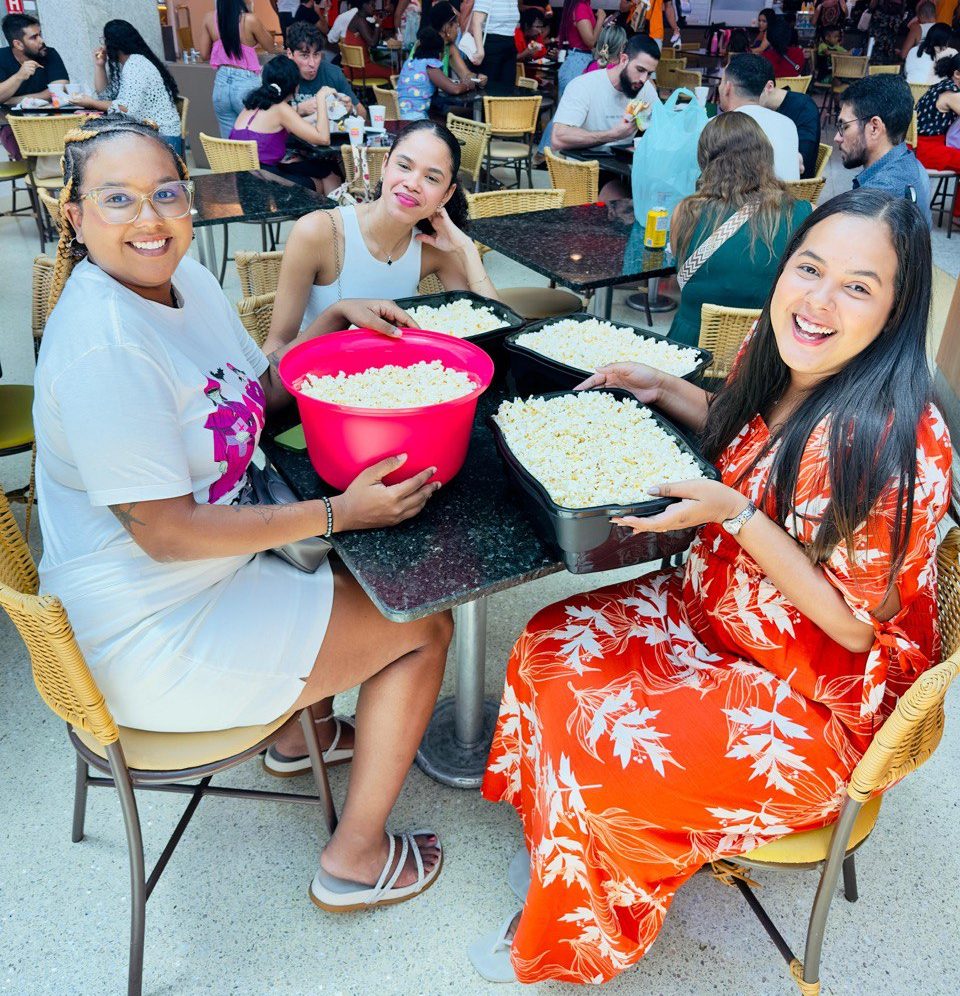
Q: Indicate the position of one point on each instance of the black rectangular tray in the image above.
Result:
(584, 538)
(490, 342)
(533, 372)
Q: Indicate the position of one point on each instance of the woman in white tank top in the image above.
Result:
(413, 228)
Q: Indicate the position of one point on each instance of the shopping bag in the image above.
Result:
(665, 168)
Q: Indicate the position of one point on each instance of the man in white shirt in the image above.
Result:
(593, 108)
(741, 88)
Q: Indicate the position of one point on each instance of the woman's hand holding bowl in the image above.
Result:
(701, 502)
(368, 503)
(643, 382)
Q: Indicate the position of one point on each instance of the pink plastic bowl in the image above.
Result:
(342, 441)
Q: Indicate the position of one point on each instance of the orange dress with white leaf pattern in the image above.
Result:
(689, 715)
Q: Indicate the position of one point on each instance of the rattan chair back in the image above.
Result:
(394, 80)
(918, 90)
(799, 84)
(256, 313)
(227, 155)
(40, 303)
(376, 157)
(527, 83)
(352, 57)
(389, 100)
(521, 73)
(496, 203)
(911, 136)
(183, 109)
(474, 137)
(43, 136)
(667, 69)
(847, 67)
(722, 331)
(431, 284)
(689, 78)
(891, 70)
(512, 116)
(806, 190)
(51, 204)
(823, 157)
(259, 272)
(579, 181)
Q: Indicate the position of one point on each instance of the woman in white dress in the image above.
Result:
(150, 399)
(412, 229)
(129, 77)
(920, 61)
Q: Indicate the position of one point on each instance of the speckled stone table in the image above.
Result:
(472, 539)
(593, 247)
(249, 195)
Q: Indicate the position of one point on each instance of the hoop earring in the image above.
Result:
(77, 249)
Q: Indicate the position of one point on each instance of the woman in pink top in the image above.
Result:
(228, 39)
(579, 28)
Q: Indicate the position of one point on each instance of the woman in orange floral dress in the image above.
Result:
(689, 715)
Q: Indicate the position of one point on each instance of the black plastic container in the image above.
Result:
(584, 538)
(490, 342)
(534, 373)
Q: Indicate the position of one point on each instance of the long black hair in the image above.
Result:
(229, 13)
(457, 205)
(938, 36)
(278, 80)
(122, 38)
(870, 408)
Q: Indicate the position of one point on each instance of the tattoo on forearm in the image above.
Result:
(125, 516)
(265, 512)
(274, 359)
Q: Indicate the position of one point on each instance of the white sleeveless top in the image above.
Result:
(363, 275)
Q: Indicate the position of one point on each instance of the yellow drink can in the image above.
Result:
(655, 233)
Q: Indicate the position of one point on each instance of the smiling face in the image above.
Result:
(417, 177)
(142, 254)
(834, 296)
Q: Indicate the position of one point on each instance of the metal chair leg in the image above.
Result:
(226, 252)
(138, 885)
(319, 769)
(825, 890)
(79, 799)
(850, 879)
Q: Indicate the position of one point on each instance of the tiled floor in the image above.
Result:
(231, 914)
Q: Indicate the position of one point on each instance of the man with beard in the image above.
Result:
(27, 67)
(593, 108)
(875, 113)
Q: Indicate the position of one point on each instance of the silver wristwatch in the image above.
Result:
(734, 525)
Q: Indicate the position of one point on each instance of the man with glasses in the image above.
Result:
(875, 113)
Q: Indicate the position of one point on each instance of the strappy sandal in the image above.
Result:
(490, 955)
(281, 766)
(339, 895)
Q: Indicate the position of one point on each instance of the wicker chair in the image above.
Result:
(667, 68)
(259, 272)
(353, 62)
(906, 740)
(474, 139)
(512, 118)
(376, 157)
(256, 313)
(10, 172)
(799, 84)
(689, 78)
(51, 205)
(579, 181)
(38, 137)
(892, 70)
(431, 284)
(126, 758)
(917, 90)
(394, 80)
(183, 109)
(527, 83)
(823, 157)
(806, 190)
(846, 69)
(528, 302)
(722, 331)
(388, 99)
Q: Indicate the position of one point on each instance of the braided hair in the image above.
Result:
(79, 145)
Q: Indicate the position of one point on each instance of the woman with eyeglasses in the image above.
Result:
(150, 400)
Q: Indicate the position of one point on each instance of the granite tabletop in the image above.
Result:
(620, 162)
(252, 195)
(583, 248)
(472, 539)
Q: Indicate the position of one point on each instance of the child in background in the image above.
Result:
(829, 45)
(422, 75)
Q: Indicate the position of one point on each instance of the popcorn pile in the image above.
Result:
(590, 344)
(591, 449)
(459, 318)
(390, 386)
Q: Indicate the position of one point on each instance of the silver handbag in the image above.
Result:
(266, 487)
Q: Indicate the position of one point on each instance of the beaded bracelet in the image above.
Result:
(329, 530)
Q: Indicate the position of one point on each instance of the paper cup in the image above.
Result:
(74, 88)
(355, 130)
(378, 115)
(702, 92)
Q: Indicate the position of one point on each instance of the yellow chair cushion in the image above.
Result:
(812, 846)
(11, 171)
(147, 751)
(16, 421)
(540, 302)
(500, 149)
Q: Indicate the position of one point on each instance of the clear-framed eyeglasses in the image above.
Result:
(121, 206)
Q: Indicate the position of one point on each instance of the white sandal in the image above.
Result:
(286, 767)
(339, 895)
(518, 874)
(490, 955)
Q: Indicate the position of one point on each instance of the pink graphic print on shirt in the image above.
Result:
(236, 420)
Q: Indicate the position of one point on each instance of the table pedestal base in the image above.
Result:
(448, 761)
(656, 304)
